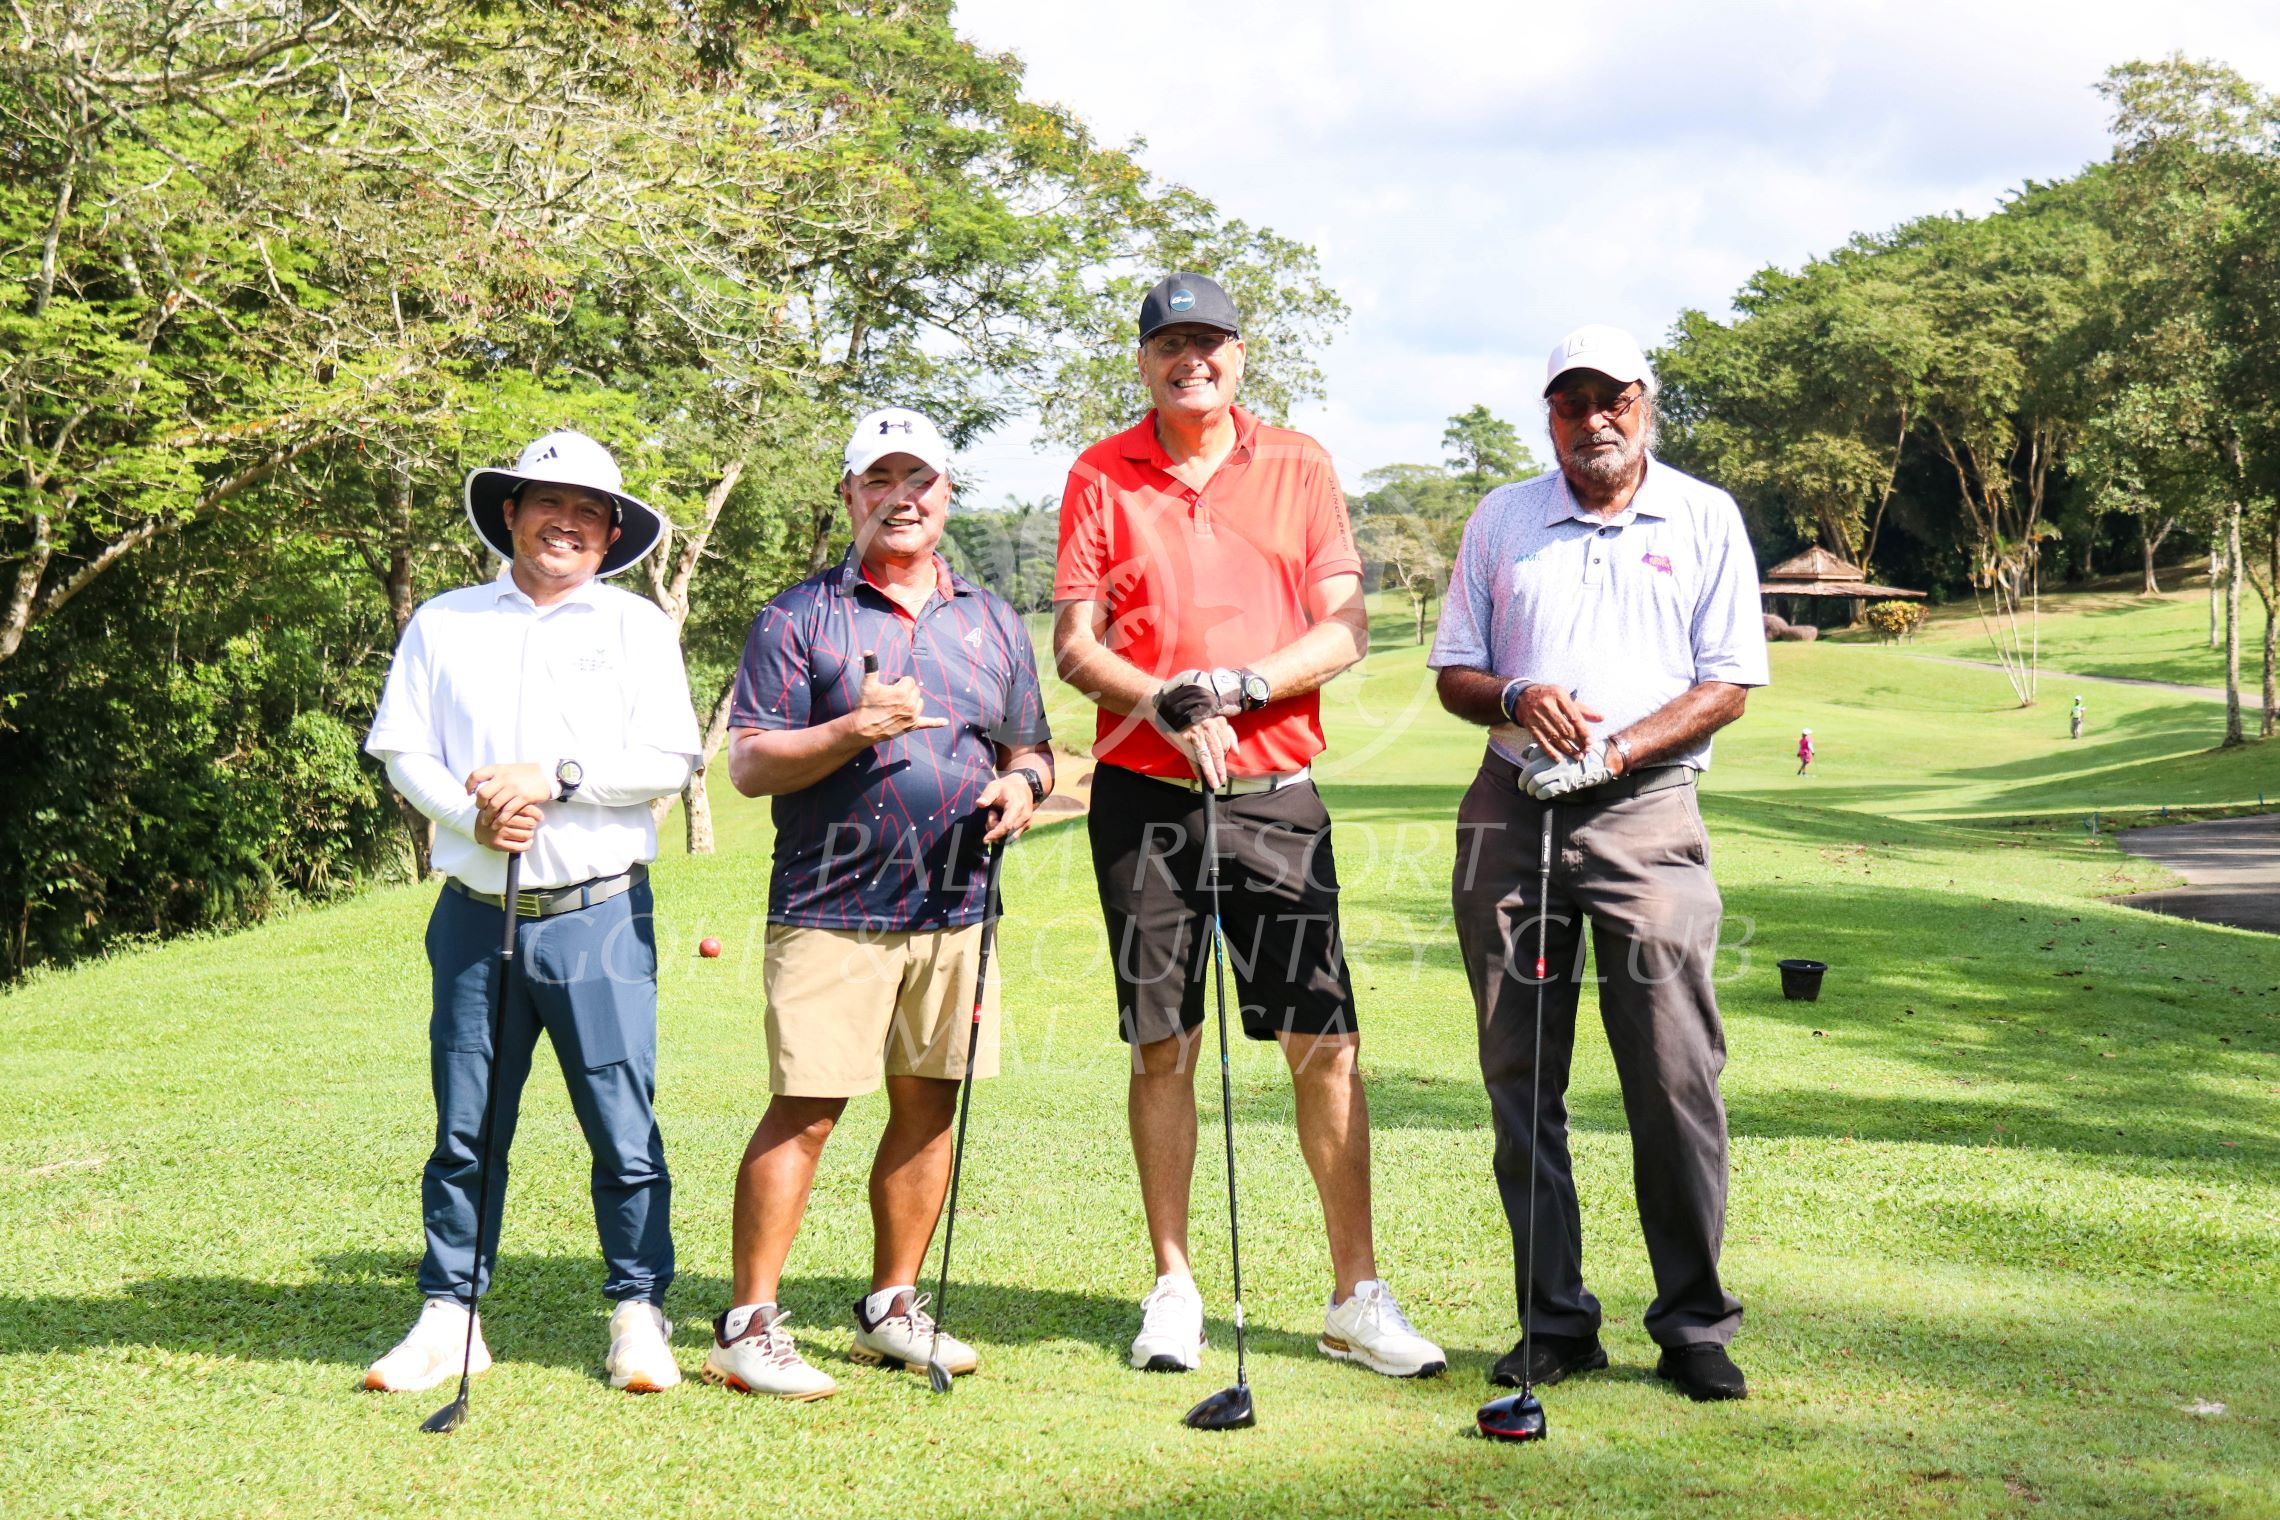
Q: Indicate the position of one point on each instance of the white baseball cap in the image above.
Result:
(897, 430)
(564, 458)
(1608, 350)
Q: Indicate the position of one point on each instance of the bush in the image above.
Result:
(1895, 622)
(179, 759)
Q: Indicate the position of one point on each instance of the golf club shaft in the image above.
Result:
(1535, 1100)
(966, 1089)
(511, 902)
(1226, 1083)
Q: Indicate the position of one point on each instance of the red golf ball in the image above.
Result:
(708, 947)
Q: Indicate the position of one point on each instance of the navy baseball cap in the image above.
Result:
(1192, 298)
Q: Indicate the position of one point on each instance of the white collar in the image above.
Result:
(506, 590)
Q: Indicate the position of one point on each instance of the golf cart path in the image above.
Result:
(2206, 693)
(2231, 866)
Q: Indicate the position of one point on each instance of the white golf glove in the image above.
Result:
(1547, 777)
(1225, 686)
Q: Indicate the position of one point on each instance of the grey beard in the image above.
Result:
(1609, 472)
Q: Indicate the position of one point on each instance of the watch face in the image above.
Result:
(569, 773)
(1255, 690)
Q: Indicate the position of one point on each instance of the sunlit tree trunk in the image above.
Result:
(2234, 733)
(2216, 594)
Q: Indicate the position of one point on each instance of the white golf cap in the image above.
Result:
(1609, 350)
(564, 458)
(897, 430)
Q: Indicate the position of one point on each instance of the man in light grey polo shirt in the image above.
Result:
(1603, 621)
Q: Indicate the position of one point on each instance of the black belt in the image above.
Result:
(1653, 778)
(545, 902)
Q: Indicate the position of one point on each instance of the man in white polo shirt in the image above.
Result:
(539, 714)
(1603, 621)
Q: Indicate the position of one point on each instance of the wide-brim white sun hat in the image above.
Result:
(564, 458)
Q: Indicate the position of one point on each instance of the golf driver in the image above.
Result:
(454, 1414)
(936, 1373)
(1520, 1416)
(1229, 1408)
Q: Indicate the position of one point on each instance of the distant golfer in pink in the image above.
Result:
(1804, 751)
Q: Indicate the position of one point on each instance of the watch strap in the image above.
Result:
(1508, 701)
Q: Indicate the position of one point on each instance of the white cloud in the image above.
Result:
(1478, 178)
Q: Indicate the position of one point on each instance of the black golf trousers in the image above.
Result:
(1635, 865)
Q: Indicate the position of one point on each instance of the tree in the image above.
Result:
(1485, 451)
(2193, 144)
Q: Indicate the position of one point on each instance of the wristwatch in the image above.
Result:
(1036, 784)
(569, 775)
(1254, 689)
(1618, 742)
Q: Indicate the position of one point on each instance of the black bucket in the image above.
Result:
(1801, 980)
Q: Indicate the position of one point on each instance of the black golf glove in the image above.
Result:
(1186, 700)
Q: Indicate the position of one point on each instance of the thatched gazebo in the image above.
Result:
(1818, 573)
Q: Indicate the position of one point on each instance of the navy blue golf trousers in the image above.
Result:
(589, 979)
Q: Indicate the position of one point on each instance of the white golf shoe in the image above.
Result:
(904, 1337)
(1370, 1328)
(641, 1352)
(1171, 1328)
(763, 1360)
(431, 1353)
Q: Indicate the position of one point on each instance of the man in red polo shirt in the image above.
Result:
(1207, 589)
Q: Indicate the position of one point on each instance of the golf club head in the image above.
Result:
(1228, 1409)
(1515, 1417)
(447, 1419)
(938, 1376)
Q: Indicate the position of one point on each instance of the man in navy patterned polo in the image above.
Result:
(892, 710)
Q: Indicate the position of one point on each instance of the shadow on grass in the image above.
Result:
(545, 1310)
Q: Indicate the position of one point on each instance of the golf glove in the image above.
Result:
(1549, 778)
(1186, 700)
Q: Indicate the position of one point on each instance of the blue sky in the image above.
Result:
(1480, 178)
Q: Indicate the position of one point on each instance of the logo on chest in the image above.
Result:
(1659, 562)
(593, 662)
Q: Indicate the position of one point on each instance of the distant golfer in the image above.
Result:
(1207, 588)
(888, 785)
(1804, 752)
(1632, 584)
(2075, 719)
(540, 714)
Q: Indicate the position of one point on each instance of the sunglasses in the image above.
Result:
(1575, 406)
(1172, 345)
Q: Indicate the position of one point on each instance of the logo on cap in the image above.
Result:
(890, 424)
(1182, 300)
(551, 453)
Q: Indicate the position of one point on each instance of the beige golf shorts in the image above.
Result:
(848, 1008)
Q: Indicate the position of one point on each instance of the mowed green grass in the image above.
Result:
(2110, 633)
(2005, 1215)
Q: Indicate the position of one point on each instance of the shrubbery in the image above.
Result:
(1895, 622)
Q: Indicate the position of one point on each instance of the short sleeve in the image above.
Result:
(663, 716)
(1080, 568)
(772, 685)
(1024, 726)
(1468, 609)
(1329, 530)
(405, 722)
(1728, 629)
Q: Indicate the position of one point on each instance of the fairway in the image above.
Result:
(2005, 1210)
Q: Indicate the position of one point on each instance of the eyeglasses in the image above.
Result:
(1172, 345)
(1575, 406)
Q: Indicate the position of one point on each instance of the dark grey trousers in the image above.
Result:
(1637, 866)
